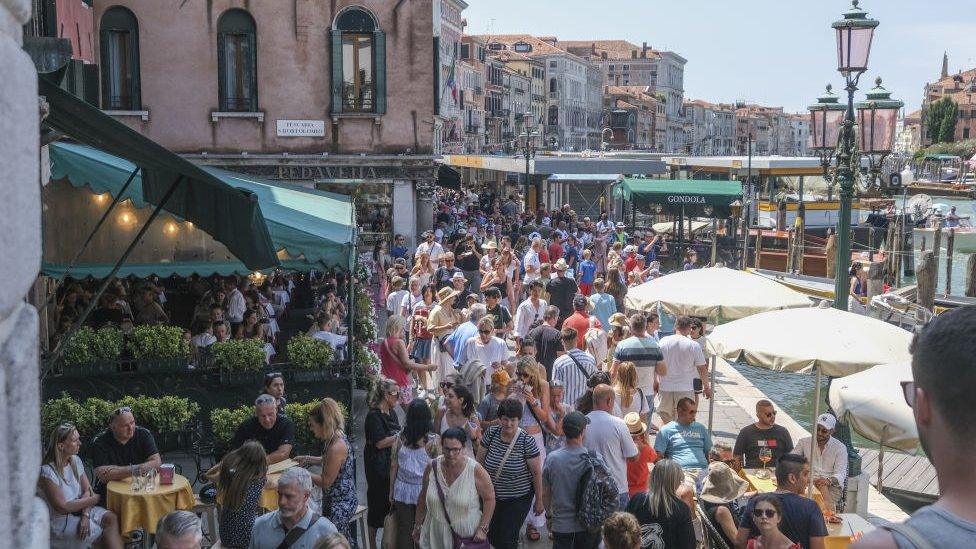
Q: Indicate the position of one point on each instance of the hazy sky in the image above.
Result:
(774, 52)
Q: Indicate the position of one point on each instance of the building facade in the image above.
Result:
(632, 113)
(473, 81)
(800, 127)
(961, 89)
(448, 118)
(709, 129)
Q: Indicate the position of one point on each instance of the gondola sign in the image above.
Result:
(686, 199)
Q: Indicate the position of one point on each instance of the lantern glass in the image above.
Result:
(877, 129)
(825, 127)
(853, 49)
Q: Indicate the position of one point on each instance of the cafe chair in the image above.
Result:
(208, 511)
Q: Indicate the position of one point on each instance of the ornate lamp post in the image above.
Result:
(529, 124)
(877, 120)
(826, 117)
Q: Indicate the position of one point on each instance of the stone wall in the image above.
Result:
(23, 517)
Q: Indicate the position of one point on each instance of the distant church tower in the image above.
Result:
(945, 64)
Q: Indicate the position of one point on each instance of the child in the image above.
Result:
(637, 471)
(587, 273)
(395, 297)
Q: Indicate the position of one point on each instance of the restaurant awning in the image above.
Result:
(232, 216)
(692, 197)
(448, 177)
(307, 227)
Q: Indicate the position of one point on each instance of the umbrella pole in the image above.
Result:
(711, 401)
(881, 458)
(813, 436)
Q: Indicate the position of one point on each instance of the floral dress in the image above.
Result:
(236, 524)
(339, 502)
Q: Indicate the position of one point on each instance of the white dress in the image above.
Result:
(463, 505)
(64, 528)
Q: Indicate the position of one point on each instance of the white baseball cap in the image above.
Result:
(827, 420)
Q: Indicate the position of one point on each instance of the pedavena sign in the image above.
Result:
(685, 199)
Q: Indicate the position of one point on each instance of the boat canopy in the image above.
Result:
(690, 197)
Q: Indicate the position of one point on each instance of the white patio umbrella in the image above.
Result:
(690, 226)
(716, 293)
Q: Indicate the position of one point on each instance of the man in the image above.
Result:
(548, 340)
(684, 440)
(573, 368)
(530, 311)
(458, 284)
(179, 530)
(561, 476)
(608, 436)
(604, 225)
(412, 298)
(580, 320)
(531, 261)
(556, 250)
(683, 356)
(430, 247)
(399, 249)
(122, 450)
(641, 349)
(562, 290)
(235, 302)
(602, 304)
(294, 521)
(325, 332)
(941, 400)
(503, 318)
(829, 461)
(619, 235)
(469, 255)
(485, 347)
(510, 208)
(801, 519)
(764, 433)
(276, 433)
(444, 275)
(464, 332)
(572, 253)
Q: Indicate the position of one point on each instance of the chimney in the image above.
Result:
(633, 54)
(644, 51)
(603, 55)
(593, 47)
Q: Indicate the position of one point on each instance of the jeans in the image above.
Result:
(575, 540)
(503, 531)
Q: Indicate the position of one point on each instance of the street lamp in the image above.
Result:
(876, 120)
(529, 123)
(826, 117)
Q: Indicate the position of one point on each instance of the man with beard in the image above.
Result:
(273, 529)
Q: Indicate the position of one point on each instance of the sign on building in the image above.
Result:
(301, 128)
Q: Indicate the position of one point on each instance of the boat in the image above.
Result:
(962, 229)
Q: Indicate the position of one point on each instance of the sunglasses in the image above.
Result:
(484, 331)
(770, 414)
(908, 391)
(769, 513)
(446, 385)
(122, 410)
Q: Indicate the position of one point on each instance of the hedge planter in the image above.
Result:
(163, 365)
(238, 379)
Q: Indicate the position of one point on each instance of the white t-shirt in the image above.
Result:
(203, 340)
(531, 260)
(332, 339)
(608, 436)
(433, 250)
(494, 351)
(682, 354)
(408, 302)
(394, 300)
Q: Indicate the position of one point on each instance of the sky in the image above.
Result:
(771, 52)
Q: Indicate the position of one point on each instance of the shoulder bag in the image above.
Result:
(508, 452)
(297, 532)
(459, 542)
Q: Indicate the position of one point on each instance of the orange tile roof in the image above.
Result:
(615, 49)
(539, 46)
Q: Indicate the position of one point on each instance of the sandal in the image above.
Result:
(531, 533)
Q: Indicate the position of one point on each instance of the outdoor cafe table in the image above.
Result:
(765, 485)
(269, 496)
(839, 534)
(143, 509)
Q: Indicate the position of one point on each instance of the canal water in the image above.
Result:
(963, 208)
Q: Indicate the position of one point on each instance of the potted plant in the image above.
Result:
(298, 413)
(92, 351)
(309, 357)
(240, 360)
(159, 348)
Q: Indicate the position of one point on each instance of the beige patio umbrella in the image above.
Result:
(690, 226)
(716, 293)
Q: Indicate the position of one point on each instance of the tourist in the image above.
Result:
(441, 323)
(691, 261)
(684, 358)
(121, 451)
(394, 298)
(241, 477)
(412, 298)
(179, 530)
(619, 330)
(548, 340)
(485, 347)
(395, 362)
(616, 286)
(664, 518)
(236, 306)
(338, 477)
(512, 269)
(458, 339)
(529, 313)
(274, 385)
(294, 511)
(275, 432)
(941, 399)
(642, 349)
(621, 531)
(629, 397)
(399, 249)
(487, 263)
(609, 437)
(532, 390)
(698, 335)
(581, 321)
(465, 296)
(768, 517)
(829, 462)
(561, 476)
(421, 339)
(557, 410)
(619, 236)
(468, 254)
(381, 430)
(457, 500)
(637, 468)
(326, 332)
(532, 262)
(764, 433)
(76, 519)
(431, 249)
(511, 457)
(802, 522)
(684, 440)
(252, 328)
(586, 274)
(221, 331)
(202, 335)
(423, 269)
(601, 304)
(413, 450)
(459, 411)
(859, 281)
(562, 291)
(488, 407)
(502, 318)
(720, 490)
(573, 368)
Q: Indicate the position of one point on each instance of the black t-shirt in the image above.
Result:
(801, 519)
(752, 438)
(502, 316)
(548, 341)
(561, 290)
(282, 432)
(674, 532)
(443, 275)
(106, 450)
(466, 261)
(379, 426)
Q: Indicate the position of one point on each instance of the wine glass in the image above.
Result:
(765, 456)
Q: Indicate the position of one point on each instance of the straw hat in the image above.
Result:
(722, 485)
(490, 245)
(446, 293)
(560, 265)
(618, 319)
(634, 424)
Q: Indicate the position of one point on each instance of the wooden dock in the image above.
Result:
(908, 476)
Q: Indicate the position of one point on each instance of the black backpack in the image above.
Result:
(597, 496)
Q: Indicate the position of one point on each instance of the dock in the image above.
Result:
(903, 475)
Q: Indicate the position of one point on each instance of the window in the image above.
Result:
(553, 115)
(119, 41)
(552, 64)
(237, 80)
(465, 51)
(522, 47)
(553, 86)
(965, 133)
(496, 46)
(358, 64)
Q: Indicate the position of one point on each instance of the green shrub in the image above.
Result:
(168, 414)
(225, 421)
(88, 345)
(158, 342)
(298, 413)
(160, 415)
(240, 355)
(308, 353)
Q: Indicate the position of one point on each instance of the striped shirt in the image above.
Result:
(574, 382)
(645, 354)
(516, 478)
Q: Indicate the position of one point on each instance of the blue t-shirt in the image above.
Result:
(686, 444)
(667, 321)
(398, 251)
(587, 271)
(572, 256)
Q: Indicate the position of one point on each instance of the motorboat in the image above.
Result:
(964, 233)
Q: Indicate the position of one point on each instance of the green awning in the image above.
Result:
(308, 225)
(166, 269)
(693, 197)
(233, 217)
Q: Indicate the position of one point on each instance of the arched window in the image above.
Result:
(119, 44)
(553, 115)
(358, 63)
(237, 61)
(553, 87)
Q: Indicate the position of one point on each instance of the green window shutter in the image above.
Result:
(135, 83)
(252, 60)
(379, 63)
(103, 53)
(221, 70)
(336, 72)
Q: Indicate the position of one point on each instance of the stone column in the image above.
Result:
(23, 517)
(424, 191)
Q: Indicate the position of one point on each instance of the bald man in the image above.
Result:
(607, 435)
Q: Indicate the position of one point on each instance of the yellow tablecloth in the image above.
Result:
(766, 485)
(144, 509)
(269, 496)
(839, 535)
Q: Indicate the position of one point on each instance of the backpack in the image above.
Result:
(597, 496)
(596, 342)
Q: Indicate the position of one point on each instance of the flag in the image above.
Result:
(452, 83)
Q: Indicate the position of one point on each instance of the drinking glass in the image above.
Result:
(151, 479)
(765, 456)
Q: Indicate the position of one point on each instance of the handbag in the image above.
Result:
(459, 542)
(390, 530)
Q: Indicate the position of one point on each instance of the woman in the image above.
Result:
(498, 278)
(381, 428)
(420, 336)
(767, 514)
(619, 331)
(557, 410)
(514, 273)
(76, 518)
(722, 487)
(337, 479)
(457, 498)
(665, 520)
(394, 360)
(511, 457)
(458, 411)
(422, 268)
(698, 334)
(616, 287)
(691, 260)
(621, 531)
(412, 452)
(629, 397)
(859, 280)
(274, 385)
(241, 477)
(380, 265)
(251, 328)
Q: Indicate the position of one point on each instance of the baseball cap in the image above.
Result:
(827, 420)
(574, 423)
(458, 275)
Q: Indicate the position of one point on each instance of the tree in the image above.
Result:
(942, 117)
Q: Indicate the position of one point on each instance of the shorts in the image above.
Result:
(585, 289)
(668, 403)
(421, 350)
